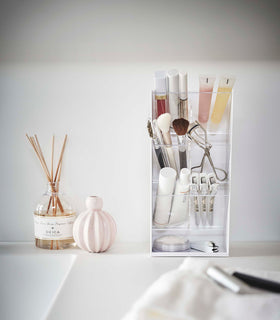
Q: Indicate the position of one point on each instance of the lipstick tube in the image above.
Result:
(160, 93)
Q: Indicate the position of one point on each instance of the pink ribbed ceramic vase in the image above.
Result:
(94, 230)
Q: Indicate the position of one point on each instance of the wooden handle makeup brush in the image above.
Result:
(164, 122)
(181, 127)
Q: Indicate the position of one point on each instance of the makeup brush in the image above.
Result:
(160, 139)
(164, 122)
(156, 145)
(180, 126)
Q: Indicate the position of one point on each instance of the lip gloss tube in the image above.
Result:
(224, 91)
(183, 95)
(160, 92)
(206, 85)
(173, 93)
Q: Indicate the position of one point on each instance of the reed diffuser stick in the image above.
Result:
(61, 157)
(52, 158)
(51, 198)
(42, 156)
(57, 176)
(58, 170)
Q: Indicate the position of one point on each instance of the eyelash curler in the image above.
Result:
(199, 135)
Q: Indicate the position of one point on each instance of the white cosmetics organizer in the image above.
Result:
(216, 232)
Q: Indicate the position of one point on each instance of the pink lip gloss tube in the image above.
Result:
(206, 85)
(160, 93)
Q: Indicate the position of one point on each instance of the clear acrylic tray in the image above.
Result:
(213, 227)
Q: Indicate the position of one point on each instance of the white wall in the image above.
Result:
(85, 68)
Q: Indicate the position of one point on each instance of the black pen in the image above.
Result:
(258, 282)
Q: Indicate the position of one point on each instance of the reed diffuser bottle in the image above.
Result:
(53, 217)
(53, 220)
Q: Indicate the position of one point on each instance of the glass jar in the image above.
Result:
(53, 220)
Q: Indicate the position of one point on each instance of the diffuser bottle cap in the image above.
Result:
(94, 203)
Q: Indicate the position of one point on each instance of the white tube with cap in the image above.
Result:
(166, 183)
(180, 205)
(173, 85)
(160, 82)
(183, 95)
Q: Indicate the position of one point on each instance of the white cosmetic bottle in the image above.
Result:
(180, 206)
(183, 95)
(173, 93)
(166, 183)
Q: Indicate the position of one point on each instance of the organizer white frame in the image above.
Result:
(225, 234)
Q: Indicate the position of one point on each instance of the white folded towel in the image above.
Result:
(188, 294)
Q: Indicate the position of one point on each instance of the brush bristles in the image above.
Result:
(180, 126)
(164, 122)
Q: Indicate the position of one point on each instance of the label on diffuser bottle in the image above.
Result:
(53, 228)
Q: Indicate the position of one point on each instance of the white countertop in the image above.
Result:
(104, 286)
